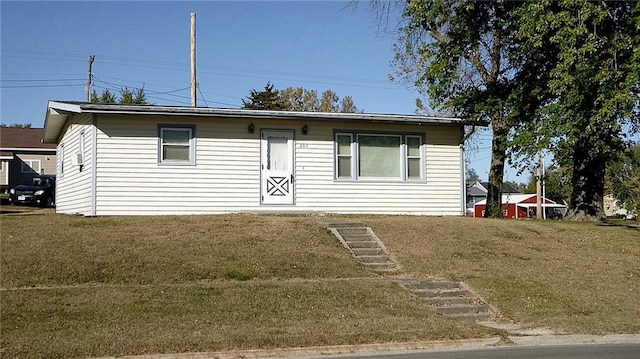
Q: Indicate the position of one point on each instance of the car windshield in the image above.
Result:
(39, 181)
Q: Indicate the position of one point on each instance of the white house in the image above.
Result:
(156, 160)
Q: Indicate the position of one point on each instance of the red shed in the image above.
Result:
(522, 206)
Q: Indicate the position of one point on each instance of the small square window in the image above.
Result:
(176, 145)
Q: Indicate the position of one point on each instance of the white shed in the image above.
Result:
(158, 160)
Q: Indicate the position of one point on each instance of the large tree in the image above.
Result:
(455, 52)
(594, 81)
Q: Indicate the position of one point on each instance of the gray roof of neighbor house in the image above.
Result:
(59, 111)
(476, 191)
(16, 138)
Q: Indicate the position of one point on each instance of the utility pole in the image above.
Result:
(544, 188)
(92, 58)
(538, 185)
(194, 84)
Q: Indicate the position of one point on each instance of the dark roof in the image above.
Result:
(59, 111)
(23, 138)
(506, 187)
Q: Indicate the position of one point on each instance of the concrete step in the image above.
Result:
(452, 299)
(443, 301)
(432, 293)
(430, 284)
(362, 244)
(338, 224)
(359, 238)
(462, 309)
(367, 251)
(354, 231)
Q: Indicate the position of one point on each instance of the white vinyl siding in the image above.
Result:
(224, 179)
(74, 183)
(226, 175)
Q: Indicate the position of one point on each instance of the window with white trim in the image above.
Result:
(176, 145)
(30, 166)
(379, 156)
(343, 155)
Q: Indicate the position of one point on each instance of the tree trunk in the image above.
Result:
(588, 184)
(496, 172)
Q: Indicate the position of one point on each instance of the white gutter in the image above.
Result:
(27, 149)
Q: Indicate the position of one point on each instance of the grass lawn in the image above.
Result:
(577, 277)
(78, 287)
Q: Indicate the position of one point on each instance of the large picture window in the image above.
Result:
(176, 145)
(379, 156)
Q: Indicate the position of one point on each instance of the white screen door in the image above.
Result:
(277, 167)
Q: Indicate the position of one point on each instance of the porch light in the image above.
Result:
(251, 128)
(305, 129)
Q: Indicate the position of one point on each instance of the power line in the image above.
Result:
(39, 86)
(203, 99)
(42, 80)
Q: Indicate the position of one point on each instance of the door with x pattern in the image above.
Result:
(277, 182)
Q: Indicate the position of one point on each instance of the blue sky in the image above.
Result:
(241, 46)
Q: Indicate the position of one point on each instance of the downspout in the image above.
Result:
(463, 167)
(94, 161)
(465, 137)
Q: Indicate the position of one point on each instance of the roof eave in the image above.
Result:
(56, 117)
(267, 114)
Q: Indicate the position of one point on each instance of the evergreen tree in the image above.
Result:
(269, 99)
(131, 97)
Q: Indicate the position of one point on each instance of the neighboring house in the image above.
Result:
(151, 160)
(523, 206)
(477, 191)
(23, 156)
(613, 208)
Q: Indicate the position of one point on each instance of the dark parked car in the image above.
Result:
(41, 192)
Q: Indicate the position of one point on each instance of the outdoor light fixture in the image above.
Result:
(251, 128)
(305, 129)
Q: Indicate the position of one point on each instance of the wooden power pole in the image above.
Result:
(194, 84)
(539, 185)
(92, 58)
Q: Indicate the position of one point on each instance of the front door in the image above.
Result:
(276, 167)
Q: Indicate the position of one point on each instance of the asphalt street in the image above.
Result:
(584, 351)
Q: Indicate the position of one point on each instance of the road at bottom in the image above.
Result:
(584, 351)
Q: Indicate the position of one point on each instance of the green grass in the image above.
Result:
(78, 287)
(577, 277)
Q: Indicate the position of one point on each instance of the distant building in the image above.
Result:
(23, 156)
(477, 191)
(523, 206)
